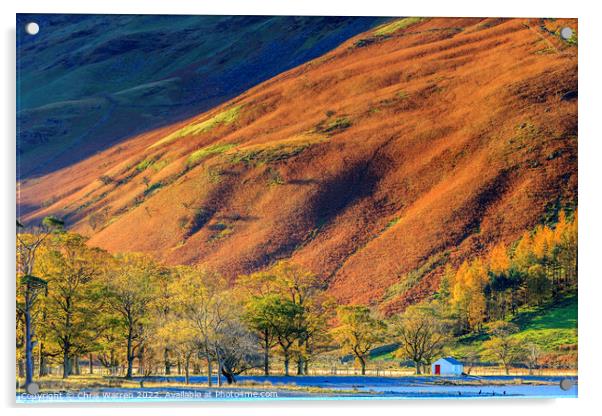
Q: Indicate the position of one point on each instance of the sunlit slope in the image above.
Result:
(86, 82)
(406, 148)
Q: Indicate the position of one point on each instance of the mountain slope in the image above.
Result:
(85, 82)
(420, 143)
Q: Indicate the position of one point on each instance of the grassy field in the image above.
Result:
(92, 382)
(549, 327)
(552, 327)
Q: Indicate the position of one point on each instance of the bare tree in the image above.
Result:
(422, 335)
(200, 303)
(502, 347)
(533, 355)
(236, 349)
(471, 357)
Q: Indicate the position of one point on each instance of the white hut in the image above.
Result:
(447, 366)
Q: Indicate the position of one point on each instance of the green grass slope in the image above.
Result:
(551, 326)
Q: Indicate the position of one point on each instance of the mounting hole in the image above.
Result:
(32, 28)
(566, 384)
(32, 388)
(566, 33)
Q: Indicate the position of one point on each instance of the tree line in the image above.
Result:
(76, 301)
(539, 267)
(129, 311)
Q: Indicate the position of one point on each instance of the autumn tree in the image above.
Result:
(255, 289)
(72, 271)
(162, 310)
(468, 297)
(130, 289)
(180, 337)
(286, 307)
(358, 332)
(286, 319)
(499, 260)
(565, 237)
(29, 286)
(306, 290)
(110, 342)
(422, 333)
(199, 301)
(316, 334)
(258, 316)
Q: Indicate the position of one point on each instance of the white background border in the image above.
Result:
(590, 176)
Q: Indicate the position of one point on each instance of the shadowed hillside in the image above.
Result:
(416, 144)
(88, 81)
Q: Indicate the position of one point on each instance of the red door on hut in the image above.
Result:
(437, 369)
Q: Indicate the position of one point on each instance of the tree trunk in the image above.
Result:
(128, 373)
(130, 356)
(266, 354)
(166, 362)
(417, 366)
(66, 361)
(286, 363)
(21, 368)
(42, 366)
(305, 360)
(91, 363)
(229, 376)
(219, 368)
(299, 358)
(141, 362)
(28, 339)
(75, 366)
(113, 363)
(209, 370)
(187, 369)
(363, 364)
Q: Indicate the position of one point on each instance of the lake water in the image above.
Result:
(339, 387)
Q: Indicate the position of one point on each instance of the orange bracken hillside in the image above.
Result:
(423, 142)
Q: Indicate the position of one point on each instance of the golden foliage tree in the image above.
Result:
(358, 332)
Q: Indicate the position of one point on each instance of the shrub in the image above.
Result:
(144, 164)
(256, 156)
(333, 126)
(274, 177)
(364, 42)
(213, 149)
(183, 221)
(396, 25)
(222, 230)
(105, 179)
